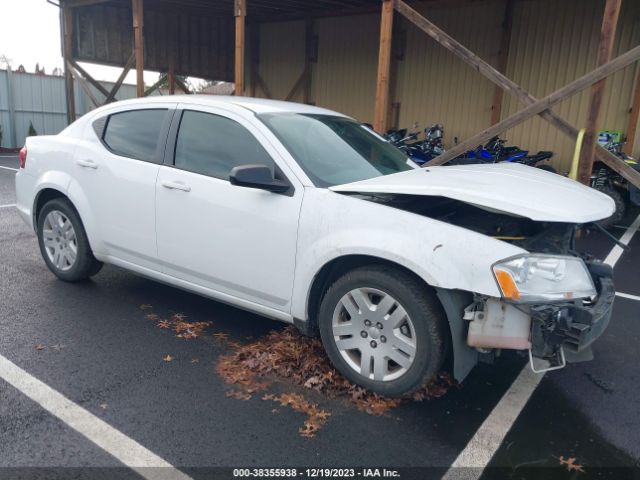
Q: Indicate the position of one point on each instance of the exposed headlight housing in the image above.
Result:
(543, 278)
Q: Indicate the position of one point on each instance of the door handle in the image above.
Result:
(175, 186)
(87, 164)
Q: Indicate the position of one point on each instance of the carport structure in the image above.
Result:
(298, 49)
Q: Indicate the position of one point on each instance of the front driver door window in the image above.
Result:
(231, 240)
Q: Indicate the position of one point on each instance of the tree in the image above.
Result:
(32, 131)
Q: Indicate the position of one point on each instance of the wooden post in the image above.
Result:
(254, 51)
(607, 38)
(308, 53)
(384, 67)
(240, 12)
(541, 105)
(503, 59)
(634, 114)
(511, 87)
(138, 26)
(67, 15)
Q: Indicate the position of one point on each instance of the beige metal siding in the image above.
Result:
(434, 86)
(554, 43)
(281, 57)
(344, 78)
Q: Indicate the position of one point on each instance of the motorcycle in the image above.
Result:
(496, 151)
(613, 184)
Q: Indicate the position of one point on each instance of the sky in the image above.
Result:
(30, 34)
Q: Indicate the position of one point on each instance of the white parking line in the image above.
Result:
(486, 441)
(626, 237)
(8, 205)
(9, 168)
(628, 296)
(126, 450)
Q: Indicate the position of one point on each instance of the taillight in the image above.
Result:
(23, 157)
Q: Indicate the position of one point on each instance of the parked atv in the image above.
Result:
(614, 185)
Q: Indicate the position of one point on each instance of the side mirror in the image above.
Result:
(256, 176)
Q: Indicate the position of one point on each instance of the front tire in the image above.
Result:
(383, 329)
(63, 242)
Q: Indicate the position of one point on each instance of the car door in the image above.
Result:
(238, 242)
(115, 170)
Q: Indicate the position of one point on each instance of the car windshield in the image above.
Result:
(335, 150)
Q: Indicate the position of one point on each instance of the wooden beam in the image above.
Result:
(84, 3)
(120, 81)
(511, 87)
(605, 49)
(540, 105)
(83, 85)
(67, 25)
(137, 7)
(240, 12)
(182, 86)
(154, 87)
(503, 60)
(261, 83)
(90, 79)
(634, 115)
(384, 67)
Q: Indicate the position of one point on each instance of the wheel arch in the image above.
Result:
(460, 358)
(50, 192)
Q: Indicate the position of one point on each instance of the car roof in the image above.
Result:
(256, 105)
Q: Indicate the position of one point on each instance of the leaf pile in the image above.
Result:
(180, 326)
(288, 354)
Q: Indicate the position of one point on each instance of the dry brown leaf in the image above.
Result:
(145, 306)
(168, 358)
(39, 346)
(571, 464)
(238, 395)
(164, 324)
(152, 316)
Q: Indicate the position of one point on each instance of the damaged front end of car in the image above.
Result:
(553, 321)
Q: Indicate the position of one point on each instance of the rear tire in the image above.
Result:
(621, 207)
(63, 242)
(383, 329)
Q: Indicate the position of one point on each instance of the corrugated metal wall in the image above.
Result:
(553, 43)
(281, 57)
(40, 100)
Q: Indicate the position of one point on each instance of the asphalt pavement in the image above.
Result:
(94, 343)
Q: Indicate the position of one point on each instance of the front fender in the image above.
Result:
(443, 255)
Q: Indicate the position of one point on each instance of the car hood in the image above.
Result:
(502, 187)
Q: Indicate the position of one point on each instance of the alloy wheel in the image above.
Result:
(374, 334)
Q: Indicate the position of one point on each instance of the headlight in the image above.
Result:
(536, 278)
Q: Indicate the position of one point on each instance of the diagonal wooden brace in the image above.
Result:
(511, 87)
(539, 106)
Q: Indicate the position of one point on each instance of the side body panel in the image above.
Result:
(238, 241)
(333, 225)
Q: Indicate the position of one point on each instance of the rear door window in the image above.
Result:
(135, 133)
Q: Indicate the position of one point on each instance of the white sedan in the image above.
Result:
(304, 215)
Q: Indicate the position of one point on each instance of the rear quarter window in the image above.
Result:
(135, 133)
